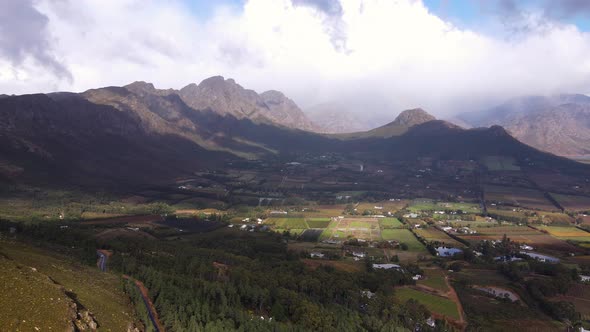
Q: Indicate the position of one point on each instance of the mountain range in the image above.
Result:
(557, 124)
(226, 97)
(139, 134)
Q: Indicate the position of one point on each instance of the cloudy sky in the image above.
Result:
(445, 56)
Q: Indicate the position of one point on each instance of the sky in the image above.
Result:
(376, 56)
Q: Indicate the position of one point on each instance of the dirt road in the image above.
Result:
(151, 309)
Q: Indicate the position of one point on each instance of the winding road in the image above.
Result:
(151, 309)
(103, 256)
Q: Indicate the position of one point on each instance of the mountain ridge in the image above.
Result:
(557, 124)
(226, 97)
(123, 135)
(399, 126)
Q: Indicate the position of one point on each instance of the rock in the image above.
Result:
(132, 328)
(81, 326)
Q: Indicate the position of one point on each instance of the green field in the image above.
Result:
(567, 233)
(403, 236)
(385, 205)
(390, 223)
(434, 303)
(419, 205)
(323, 211)
(463, 223)
(287, 223)
(432, 234)
(434, 278)
(465, 207)
(318, 222)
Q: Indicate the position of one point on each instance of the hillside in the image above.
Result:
(557, 124)
(50, 291)
(562, 130)
(66, 138)
(126, 135)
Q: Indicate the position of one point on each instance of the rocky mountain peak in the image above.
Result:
(213, 82)
(226, 97)
(412, 117)
(140, 87)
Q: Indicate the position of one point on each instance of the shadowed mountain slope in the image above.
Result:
(138, 134)
(560, 124)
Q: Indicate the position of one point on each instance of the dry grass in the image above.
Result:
(567, 233)
(30, 301)
(98, 292)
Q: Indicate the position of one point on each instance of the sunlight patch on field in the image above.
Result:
(434, 303)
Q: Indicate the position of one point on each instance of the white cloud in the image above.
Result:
(368, 52)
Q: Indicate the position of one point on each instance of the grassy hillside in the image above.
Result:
(43, 288)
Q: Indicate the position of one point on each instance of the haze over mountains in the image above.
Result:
(557, 124)
(339, 118)
(138, 133)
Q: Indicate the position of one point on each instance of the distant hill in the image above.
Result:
(404, 121)
(558, 124)
(562, 130)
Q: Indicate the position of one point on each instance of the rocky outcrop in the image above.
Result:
(409, 118)
(285, 112)
(226, 97)
(402, 123)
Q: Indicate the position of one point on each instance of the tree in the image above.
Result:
(456, 266)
